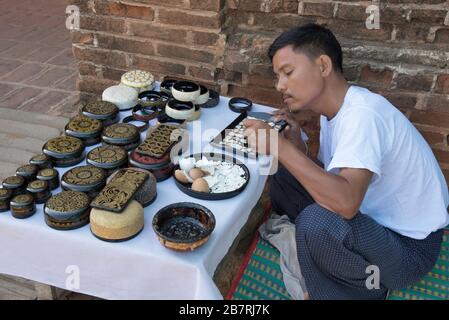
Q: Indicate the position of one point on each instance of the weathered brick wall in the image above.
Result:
(223, 44)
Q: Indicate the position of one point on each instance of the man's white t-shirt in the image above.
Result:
(408, 193)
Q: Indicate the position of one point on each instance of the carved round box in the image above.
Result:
(67, 210)
(64, 151)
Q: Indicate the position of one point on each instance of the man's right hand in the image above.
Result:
(292, 131)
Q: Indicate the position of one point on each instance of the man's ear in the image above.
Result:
(325, 65)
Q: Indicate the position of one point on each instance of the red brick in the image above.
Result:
(352, 12)
(442, 36)
(107, 24)
(234, 61)
(442, 85)
(273, 21)
(205, 38)
(401, 100)
(147, 30)
(376, 77)
(211, 5)
(167, 3)
(108, 8)
(358, 30)
(187, 18)
(127, 44)
(170, 51)
(419, 82)
(437, 119)
(230, 76)
(428, 16)
(325, 10)
(279, 6)
(100, 56)
(433, 138)
(202, 73)
(139, 12)
(82, 37)
(412, 33)
(113, 74)
(396, 15)
(157, 66)
(260, 81)
(87, 69)
(262, 70)
(438, 103)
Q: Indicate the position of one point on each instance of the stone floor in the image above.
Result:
(37, 73)
(37, 69)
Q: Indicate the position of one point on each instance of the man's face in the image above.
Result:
(298, 78)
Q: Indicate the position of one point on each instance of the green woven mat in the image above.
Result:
(261, 277)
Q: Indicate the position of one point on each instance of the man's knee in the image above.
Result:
(316, 223)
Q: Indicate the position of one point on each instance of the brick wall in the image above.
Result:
(223, 44)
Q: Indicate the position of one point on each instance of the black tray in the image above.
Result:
(186, 187)
(220, 137)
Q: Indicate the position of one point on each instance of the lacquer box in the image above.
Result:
(122, 134)
(51, 176)
(42, 161)
(23, 206)
(64, 151)
(106, 112)
(16, 184)
(84, 128)
(39, 190)
(5, 198)
(161, 168)
(28, 172)
(67, 210)
(109, 158)
(87, 179)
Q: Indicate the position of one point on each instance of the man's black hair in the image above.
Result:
(312, 40)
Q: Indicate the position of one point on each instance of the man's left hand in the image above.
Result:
(258, 135)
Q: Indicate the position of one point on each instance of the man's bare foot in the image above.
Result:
(306, 296)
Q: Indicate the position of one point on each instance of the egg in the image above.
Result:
(181, 177)
(200, 185)
(196, 173)
(187, 164)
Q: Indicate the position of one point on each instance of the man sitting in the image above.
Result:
(376, 195)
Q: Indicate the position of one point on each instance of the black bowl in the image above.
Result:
(186, 187)
(180, 105)
(183, 226)
(168, 84)
(186, 86)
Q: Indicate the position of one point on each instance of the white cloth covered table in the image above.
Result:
(140, 268)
